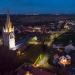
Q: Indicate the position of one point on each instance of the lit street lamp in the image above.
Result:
(28, 73)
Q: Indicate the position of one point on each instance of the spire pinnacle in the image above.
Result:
(8, 25)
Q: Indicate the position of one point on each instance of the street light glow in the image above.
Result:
(41, 61)
(35, 38)
(28, 73)
(64, 60)
(34, 41)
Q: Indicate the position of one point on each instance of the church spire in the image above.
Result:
(8, 34)
(8, 19)
(8, 25)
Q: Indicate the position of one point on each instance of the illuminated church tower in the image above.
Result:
(8, 34)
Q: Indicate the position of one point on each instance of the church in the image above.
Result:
(8, 34)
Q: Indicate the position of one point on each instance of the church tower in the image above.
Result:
(8, 34)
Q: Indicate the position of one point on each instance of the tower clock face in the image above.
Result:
(11, 35)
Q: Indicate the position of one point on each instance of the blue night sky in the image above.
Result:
(37, 6)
